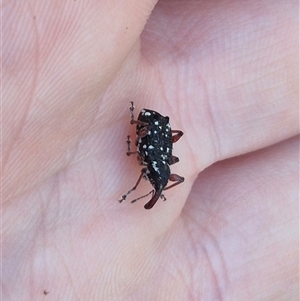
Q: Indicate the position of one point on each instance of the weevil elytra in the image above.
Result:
(154, 142)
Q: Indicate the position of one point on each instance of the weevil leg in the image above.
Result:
(124, 196)
(132, 121)
(131, 109)
(163, 197)
(129, 152)
(141, 197)
(143, 132)
(175, 178)
(155, 196)
(177, 136)
(173, 160)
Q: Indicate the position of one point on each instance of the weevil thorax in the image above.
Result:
(155, 146)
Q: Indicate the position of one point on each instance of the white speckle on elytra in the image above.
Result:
(168, 125)
(149, 133)
(144, 146)
(168, 149)
(155, 167)
(156, 122)
(150, 147)
(147, 114)
(155, 132)
(161, 148)
(146, 153)
(143, 112)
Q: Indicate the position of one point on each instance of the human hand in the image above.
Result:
(226, 74)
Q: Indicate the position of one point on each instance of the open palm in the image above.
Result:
(225, 72)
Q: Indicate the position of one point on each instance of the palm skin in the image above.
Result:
(226, 74)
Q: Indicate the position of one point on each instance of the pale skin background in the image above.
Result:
(226, 72)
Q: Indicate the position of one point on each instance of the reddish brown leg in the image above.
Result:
(155, 196)
(175, 178)
(178, 135)
(145, 127)
(138, 122)
(173, 160)
(124, 196)
(132, 121)
(143, 132)
(141, 197)
(129, 152)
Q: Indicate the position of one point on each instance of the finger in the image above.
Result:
(245, 212)
(231, 88)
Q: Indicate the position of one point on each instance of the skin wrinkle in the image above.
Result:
(204, 253)
(31, 96)
(217, 142)
(221, 276)
(192, 262)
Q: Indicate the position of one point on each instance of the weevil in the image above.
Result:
(154, 142)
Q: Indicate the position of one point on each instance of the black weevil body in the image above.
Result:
(154, 141)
